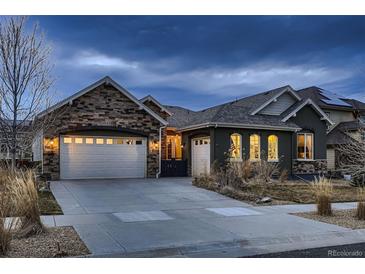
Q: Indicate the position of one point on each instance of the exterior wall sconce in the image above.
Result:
(50, 143)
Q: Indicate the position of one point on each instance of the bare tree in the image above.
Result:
(352, 157)
(25, 82)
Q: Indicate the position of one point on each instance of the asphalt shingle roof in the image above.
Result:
(235, 112)
(338, 135)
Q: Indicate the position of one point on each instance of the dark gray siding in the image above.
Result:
(220, 143)
(283, 103)
(310, 121)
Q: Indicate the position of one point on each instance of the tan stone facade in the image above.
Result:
(103, 107)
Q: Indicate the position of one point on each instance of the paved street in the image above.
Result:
(170, 217)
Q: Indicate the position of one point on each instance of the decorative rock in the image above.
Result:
(263, 200)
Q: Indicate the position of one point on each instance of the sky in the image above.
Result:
(200, 61)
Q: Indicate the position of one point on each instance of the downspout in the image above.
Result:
(159, 152)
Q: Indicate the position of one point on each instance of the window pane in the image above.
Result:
(89, 140)
(309, 146)
(109, 141)
(273, 148)
(119, 141)
(78, 140)
(300, 144)
(129, 142)
(67, 140)
(138, 142)
(254, 147)
(99, 141)
(236, 146)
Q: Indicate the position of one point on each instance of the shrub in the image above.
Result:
(283, 177)
(322, 189)
(7, 209)
(360, 211)
(24, 192)
(265, 170)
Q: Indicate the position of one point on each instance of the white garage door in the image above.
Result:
(200, 150)
(83, 157)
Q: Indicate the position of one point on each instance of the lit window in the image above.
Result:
(305, 146)
(99, 141)
(67, 140)
(119, 141)
(236, 146)
(272, 142)
(254, 147)
(89, 141)
(109, 141)
(78, 140)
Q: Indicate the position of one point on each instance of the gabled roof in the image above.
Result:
(109, 81)
(299, 105)
(270, 96)
(157, 103)
(338, 134)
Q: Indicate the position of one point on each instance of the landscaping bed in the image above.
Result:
(345, 218)
(55, 242)
(289, 192)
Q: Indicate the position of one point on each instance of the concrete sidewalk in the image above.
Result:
(170, 217)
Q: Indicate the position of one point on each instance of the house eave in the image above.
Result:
(235, 125)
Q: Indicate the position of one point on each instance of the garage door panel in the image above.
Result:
(86, 161)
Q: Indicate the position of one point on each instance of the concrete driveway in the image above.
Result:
(170, 217)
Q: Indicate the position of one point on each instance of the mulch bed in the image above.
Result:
(55, 242)
(345, 218)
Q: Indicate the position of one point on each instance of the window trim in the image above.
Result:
(240, 147)
(305, 143)
(277, 149)
(259, 144)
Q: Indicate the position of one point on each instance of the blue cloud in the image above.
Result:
(198, 61)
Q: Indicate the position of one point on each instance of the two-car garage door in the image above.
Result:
(88, 157)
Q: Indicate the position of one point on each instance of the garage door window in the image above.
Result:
(89, 141)
(129, 142)
(78, 140)
(109, 141)
(67, 140)
(138, 142)
(99, 141)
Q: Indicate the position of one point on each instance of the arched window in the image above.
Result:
(272, 148)
(236, 146)
(255, 147)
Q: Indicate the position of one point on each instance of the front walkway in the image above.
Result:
(170, 217)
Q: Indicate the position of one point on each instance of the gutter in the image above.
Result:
(248, 126)
(159, 152)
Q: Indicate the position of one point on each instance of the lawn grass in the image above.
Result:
(281, 193)
(48, 204)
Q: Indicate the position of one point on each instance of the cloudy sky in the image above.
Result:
(197, 62)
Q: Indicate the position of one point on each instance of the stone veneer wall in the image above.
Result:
(103, 106)
(309, 167)
(164, 115)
